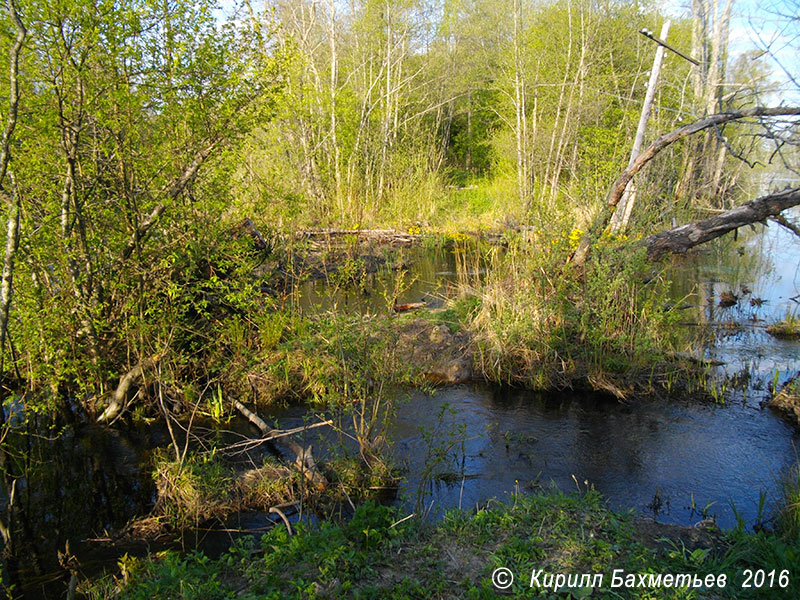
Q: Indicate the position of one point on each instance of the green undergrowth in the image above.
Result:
(378, 554)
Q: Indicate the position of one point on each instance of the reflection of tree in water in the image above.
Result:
(68, 485)
(761, 263)
(610, 440)
(585, 435)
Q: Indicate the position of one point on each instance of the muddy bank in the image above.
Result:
(441, 355)
(787, 401)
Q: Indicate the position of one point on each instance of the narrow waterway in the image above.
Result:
(680, 461)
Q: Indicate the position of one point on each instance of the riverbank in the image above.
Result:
(323, 334)
(382, 553)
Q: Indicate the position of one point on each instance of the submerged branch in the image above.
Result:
(304, 461)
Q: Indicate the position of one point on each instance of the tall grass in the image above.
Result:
(541, 323)
(789, 520)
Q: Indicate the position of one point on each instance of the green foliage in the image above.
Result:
(789, 328)
(789, 518)
(374, 555)
(124, 163)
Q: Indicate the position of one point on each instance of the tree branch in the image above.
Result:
(618, 187)
(171, 191)
(681, 239)
(13, 84)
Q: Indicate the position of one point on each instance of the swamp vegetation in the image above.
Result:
(248, 248)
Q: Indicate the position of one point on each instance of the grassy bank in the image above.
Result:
(539, 322)
(378, 554)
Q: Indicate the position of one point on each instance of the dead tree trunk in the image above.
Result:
(618, 187)
(681, 239)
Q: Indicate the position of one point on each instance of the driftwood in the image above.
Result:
(305, 459)
(118, 397)
(392, 236)
(682, 238)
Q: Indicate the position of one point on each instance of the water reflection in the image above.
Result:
(678, 457)
(679, 451)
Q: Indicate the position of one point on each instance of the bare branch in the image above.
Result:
(171, 191)
(681, 239)
(618, 187)
(663, 141)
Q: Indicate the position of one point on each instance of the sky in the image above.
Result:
(756, 23)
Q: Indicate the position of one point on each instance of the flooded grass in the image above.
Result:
(540, 323)
(335, 344)
(788, 329)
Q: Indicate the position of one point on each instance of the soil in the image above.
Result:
(443, 356)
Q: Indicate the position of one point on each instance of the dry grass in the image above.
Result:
(203, 488)
(788, 329)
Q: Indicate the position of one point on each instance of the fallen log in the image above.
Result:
(381, 235)
(685, 237)
(661, 142)
(304, 457)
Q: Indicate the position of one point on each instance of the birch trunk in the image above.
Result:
(619, 221)
(12, 198)
(663, 141)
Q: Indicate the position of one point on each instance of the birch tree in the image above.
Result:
(9, 192)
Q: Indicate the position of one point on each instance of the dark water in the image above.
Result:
(681, 461)
(665, 460)
(413, 275)
(70, 485)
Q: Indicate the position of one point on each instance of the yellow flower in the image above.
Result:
(575, 237)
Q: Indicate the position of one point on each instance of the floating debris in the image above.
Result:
(727, 299)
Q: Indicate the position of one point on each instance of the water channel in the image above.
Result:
(679, 461)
